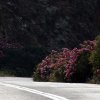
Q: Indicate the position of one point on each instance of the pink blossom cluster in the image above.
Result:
(88, 45)
(98, 72)
(66, 58)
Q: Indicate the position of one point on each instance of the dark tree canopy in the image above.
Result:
(50, 23)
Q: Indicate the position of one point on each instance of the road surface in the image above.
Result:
(14, 88)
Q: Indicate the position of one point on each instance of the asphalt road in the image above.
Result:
(14, 88)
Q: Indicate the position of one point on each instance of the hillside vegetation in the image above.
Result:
(76, 65)
(38, 26)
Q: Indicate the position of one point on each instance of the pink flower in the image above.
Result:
(98, 72)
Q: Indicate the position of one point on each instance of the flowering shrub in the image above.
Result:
(98, 72)
(61, 66)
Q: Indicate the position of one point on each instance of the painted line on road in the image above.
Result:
(48, 95)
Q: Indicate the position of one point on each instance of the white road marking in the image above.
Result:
(48, 95)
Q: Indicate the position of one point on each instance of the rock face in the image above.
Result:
(49, 23)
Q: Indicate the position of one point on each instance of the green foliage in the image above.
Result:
(6, 73)
(95, 60)
(83, 68)
(57, 75)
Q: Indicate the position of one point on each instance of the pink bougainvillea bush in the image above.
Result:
(63, 65)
